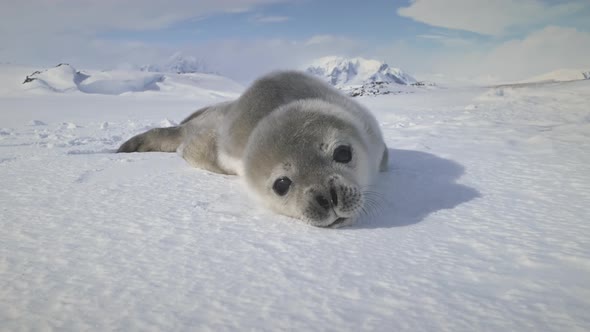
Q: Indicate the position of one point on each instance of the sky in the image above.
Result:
(440, 40)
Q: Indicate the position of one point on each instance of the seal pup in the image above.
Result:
(304, 149)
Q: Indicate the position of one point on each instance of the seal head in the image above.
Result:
(308, 160)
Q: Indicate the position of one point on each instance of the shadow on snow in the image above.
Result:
(416, 185)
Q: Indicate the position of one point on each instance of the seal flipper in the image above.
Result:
(157, 139)
(196, 114)
(384, 161)
(200, 150)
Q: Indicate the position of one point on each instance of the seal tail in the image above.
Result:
(157, 139)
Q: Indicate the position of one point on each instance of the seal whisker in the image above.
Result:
(375, 202)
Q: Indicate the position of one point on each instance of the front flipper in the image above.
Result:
(157, 139)
(200, 151)
(384, 160)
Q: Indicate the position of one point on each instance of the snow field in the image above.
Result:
(481, 223)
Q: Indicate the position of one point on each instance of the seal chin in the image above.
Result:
(337, 223)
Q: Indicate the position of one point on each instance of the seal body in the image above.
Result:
(304, 149)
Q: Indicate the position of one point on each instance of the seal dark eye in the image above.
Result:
(342, 154)
(281, 186)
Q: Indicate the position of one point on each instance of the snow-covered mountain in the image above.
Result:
(64, 78)
(340, 71)
(560, 75)
(61, 78)
(178, 63)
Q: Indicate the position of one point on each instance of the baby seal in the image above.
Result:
(304, 149)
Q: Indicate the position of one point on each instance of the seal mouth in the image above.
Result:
(336, 222)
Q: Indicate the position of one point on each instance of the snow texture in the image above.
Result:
(481, 224)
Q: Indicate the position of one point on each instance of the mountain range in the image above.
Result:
(340, 71)
(178, 63)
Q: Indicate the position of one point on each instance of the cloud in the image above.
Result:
(89, 16)
(240, 59)
(44, 32)
(70, 31)
(56, 30)
(330, 40)
(487, 17)
(262, 55)
(541, 51)
(447, 40)
(270, 19)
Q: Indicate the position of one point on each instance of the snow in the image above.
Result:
(178, 63)
(481, 223)
(560, 75)
(341, 71)
(64, 78)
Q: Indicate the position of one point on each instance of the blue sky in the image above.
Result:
(446, 39)
(375, 22)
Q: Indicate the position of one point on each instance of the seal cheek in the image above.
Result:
(351, 198)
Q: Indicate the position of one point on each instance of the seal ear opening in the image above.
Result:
(384, 160)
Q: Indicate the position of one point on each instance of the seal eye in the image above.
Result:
(281, 186)
(342, 154)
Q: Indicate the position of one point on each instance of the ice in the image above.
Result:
(480, 224)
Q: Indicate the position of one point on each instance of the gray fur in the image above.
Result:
(157, 139)
(287, 124)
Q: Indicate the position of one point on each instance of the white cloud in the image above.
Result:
(240, 59)
(262, 55)
(49, 30)
(66, 31)
(90, 16)
(447, 40)
(484, 16)
(270, 19)
(330, 40)
(44, 32)
(542, 51)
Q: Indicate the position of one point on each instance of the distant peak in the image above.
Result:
(178, 63)
(341, 71)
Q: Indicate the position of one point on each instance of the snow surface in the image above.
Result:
(340, 71)
(481, 223)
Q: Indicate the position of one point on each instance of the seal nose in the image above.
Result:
(334, 196)
(322, 201)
